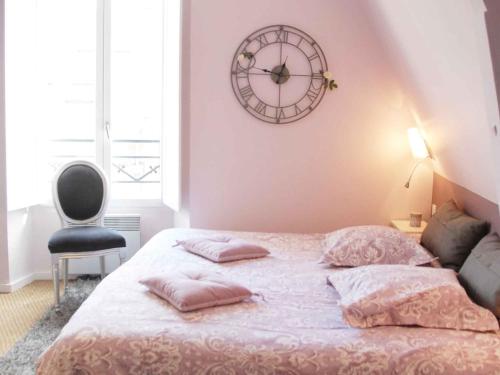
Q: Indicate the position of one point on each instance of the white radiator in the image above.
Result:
(129, 226)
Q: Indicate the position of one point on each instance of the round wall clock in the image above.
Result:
(279, 74)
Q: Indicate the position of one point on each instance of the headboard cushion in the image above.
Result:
(480, 274)
(451, 235)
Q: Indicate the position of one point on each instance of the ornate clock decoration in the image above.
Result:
(279, 74)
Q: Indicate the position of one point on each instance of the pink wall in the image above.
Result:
(438, 49)
(344, 164)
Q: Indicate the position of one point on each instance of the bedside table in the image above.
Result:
(404, 226)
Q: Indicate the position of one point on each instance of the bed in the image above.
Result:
(296, 327)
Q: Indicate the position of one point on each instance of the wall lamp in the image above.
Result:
(419, 149)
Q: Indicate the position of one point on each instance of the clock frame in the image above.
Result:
(278, 74)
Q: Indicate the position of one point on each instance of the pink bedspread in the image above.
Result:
(297, 329)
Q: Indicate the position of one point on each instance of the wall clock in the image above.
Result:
(279, 74)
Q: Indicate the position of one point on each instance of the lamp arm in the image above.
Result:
(407, 185)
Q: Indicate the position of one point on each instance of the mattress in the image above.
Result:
(296, 327)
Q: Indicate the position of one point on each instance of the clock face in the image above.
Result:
(277, 74)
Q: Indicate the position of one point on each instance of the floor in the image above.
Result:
(21, 309)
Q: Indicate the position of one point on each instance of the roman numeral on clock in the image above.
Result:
(246, 93)
(312, 95)
(261, 108)
(313, 56)
(281, 36)
(262, 40)
(280, 113)
(318, 75)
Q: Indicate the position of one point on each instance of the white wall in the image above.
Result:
(4, 254)
(438, 49)
(20, 234)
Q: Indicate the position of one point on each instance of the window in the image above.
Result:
(87, 79)
(136, 86)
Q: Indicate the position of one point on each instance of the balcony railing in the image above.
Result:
(133, 161)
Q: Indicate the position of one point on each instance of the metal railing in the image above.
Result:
(136, 161)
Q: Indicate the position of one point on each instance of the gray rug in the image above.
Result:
(21, 358)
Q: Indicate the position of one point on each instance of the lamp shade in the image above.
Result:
(417, 144)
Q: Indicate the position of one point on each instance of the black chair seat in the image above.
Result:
(80, 239)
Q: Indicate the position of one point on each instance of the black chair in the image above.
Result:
(80, 193)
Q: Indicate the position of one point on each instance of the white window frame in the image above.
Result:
(170, 127)
(103, 105)
(104, 123)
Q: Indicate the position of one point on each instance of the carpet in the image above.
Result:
(21, 358)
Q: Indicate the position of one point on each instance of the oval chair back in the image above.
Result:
(80, 193)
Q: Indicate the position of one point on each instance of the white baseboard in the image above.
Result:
(42, 276)
(23, 281)
(16, 284)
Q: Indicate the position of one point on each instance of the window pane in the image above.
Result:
(51, 84)
(136, 98)
(67, 79)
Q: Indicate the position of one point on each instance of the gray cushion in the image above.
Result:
(81, 191)
(85, 239)
(451, 235)
(480, 274)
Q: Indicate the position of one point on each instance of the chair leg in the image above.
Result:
(65, 274)
(55, 278)
(102, 262)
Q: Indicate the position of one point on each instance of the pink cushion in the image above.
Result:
(372, 244)
(193, 290)
(380, 295)
(223, 248)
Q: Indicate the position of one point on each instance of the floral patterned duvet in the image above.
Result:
(295, 327)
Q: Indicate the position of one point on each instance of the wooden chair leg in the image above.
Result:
(55, 278)
(102, 262)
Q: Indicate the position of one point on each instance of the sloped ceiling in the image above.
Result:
(438, 49)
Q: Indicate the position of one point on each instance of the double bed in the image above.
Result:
(293, 326)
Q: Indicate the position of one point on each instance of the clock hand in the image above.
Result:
(264, 70)
(267, 72)
(284, 63)
(280, 74)
(282, 67)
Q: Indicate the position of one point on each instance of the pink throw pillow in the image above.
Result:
(223, 248)
(372, 244)
(381, 295)
(193, 290)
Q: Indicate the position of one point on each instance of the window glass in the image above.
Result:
(50, 91)
(72, 66)
(66, 75)
(136, 93)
